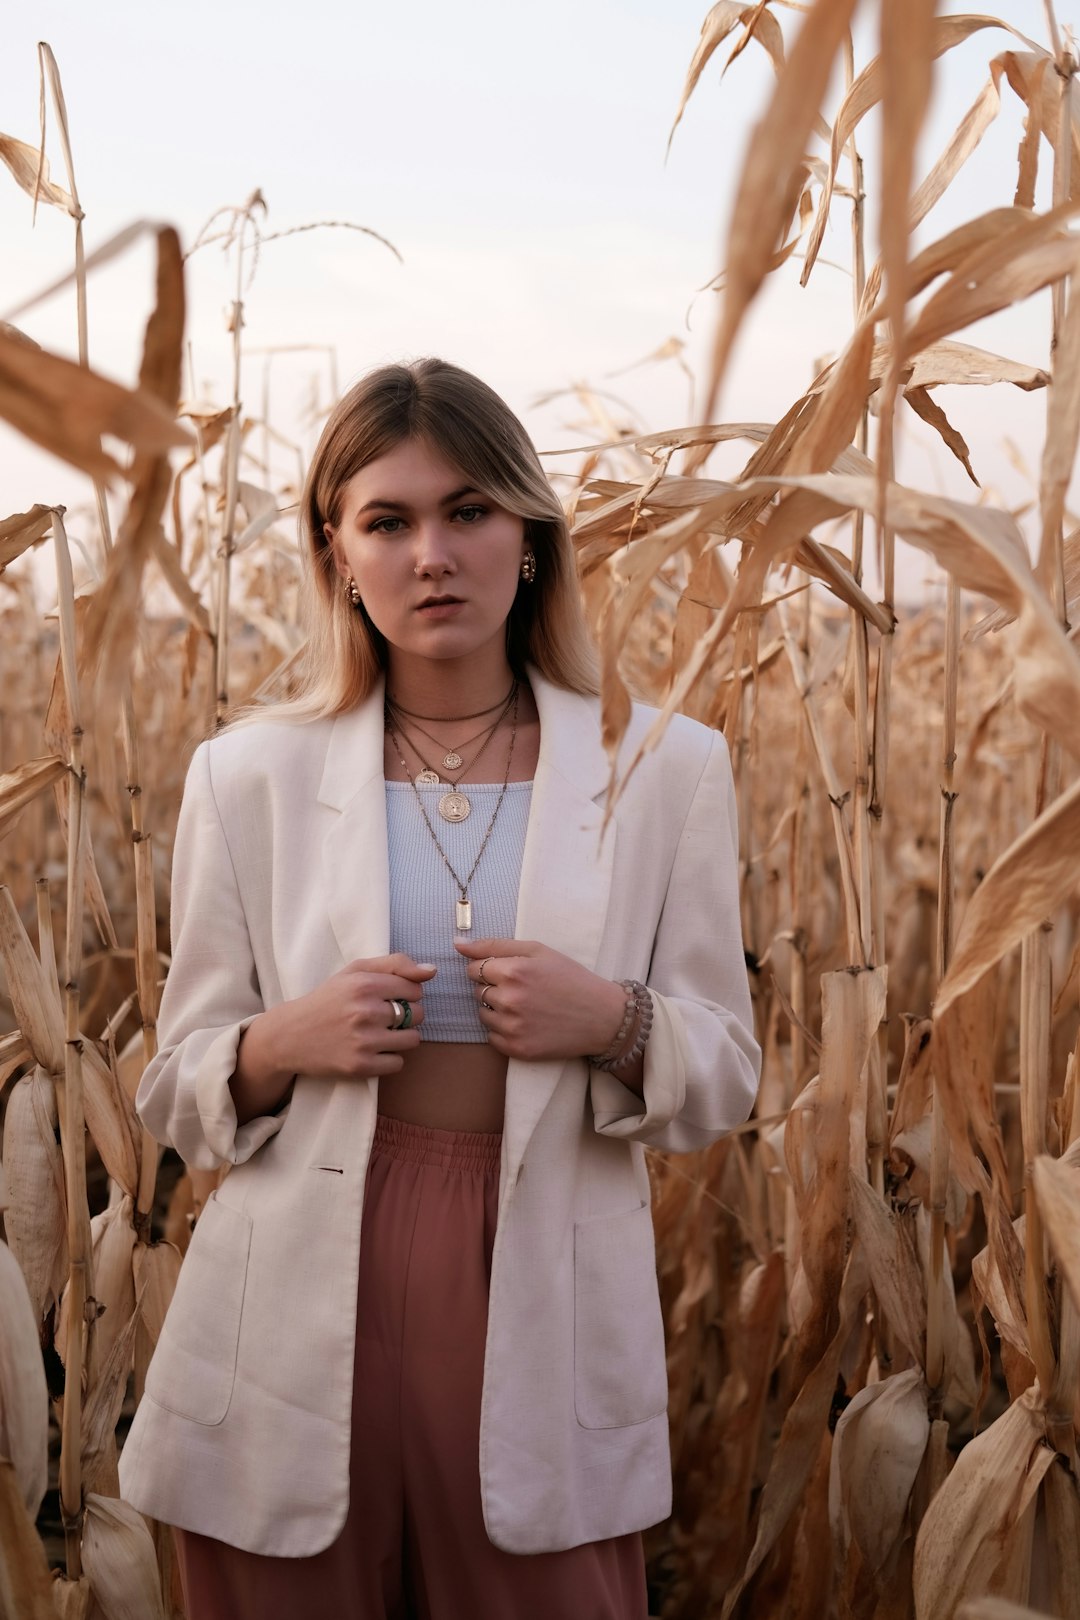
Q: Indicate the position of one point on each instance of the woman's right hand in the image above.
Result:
(342, 1028)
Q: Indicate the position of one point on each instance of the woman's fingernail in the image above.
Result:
(428, 967)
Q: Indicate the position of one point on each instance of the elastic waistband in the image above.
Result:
(476, 1151)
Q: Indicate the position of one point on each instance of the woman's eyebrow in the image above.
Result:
(403, 506)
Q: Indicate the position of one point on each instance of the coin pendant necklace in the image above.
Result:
(453, 806)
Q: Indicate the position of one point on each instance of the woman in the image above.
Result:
(429, 1017)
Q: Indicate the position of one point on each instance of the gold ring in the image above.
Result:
(399, 1014)
(485, 982)
(485, 1003)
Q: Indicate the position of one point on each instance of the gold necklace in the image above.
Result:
(452, 759)
(463, 905)
(454, 718)
(455, 805)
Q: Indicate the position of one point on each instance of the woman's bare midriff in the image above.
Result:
(451, 1085)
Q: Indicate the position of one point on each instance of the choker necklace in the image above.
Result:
(463, 905)
(452, 719)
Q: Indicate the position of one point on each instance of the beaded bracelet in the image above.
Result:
(638, 1000)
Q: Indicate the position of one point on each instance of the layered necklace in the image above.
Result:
(455, 806)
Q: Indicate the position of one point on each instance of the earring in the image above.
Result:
(528, 565)
(352, 590)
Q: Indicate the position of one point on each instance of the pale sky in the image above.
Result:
(514, 155)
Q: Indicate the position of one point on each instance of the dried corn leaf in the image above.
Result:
(111, 1120)
(964, 1071)
(804, 1425)
(104, 1400)
(31, 172)
(993, 1608)
(865, 92)
(21, 531)
(20, 787)
(32, 998)
(853, 1005)
(1026, 883)
(113, 1238)
(24, 1399)
(771, 180)
(899, 1278)
(1057, 1189)
(1007, 267)
(24, 1573)
(877, 1451)
(1061, 1505)
(926, 406)
(66, 408)
(963, 1545)
(907, 52)
(720, 22)
(36, 1217)
(71, 1599)
(113, 619)
(168, 559)
(118, 1552)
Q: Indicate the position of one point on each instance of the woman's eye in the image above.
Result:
(377, 526)
(471, 514)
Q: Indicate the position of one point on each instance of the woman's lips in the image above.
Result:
(440, 610)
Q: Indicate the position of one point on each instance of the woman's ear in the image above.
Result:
(340, 565)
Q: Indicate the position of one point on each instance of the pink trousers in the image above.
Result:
(414, 1546)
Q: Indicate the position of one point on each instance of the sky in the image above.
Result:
(515, 156)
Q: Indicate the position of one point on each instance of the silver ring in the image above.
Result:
(398, 1010)
(486, 982)
(485, 1003)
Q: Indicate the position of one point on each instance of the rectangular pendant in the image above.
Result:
(464, 916)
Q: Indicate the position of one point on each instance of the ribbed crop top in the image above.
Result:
(422, 892)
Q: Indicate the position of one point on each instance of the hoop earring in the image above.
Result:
(528, 565)
(352, 591)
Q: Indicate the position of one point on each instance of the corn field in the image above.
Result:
(872, 1290)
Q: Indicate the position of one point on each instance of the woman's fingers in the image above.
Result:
(398, 965)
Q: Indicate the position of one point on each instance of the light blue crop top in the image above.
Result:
(423, 894)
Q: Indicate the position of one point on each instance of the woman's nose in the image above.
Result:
(434, 550)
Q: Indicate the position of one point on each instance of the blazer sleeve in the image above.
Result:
(211, 995)
(702, 1062)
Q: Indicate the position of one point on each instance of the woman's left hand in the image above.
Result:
(539, 1003)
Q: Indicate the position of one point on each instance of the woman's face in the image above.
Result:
(437, 563)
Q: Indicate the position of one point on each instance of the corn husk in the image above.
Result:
(24, 1400)
(36, 1216)
(877, 1451)
(118, 1552)
(976, 1536)
(71, 1599)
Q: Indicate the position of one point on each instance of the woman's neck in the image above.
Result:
(448, 687)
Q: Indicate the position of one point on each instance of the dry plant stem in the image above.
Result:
(51, 71)
(801, 879)
(70, 1092)
(836, 798)
(145, 911)
(939, 1151)
(232, 474)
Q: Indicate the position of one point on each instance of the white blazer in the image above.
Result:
(279, 879)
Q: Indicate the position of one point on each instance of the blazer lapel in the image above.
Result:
(565, 877)
(355, 877)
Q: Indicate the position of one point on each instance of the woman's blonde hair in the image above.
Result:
(466, 421)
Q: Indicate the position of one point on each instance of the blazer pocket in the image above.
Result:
(620, 1370)
(193, 1368)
